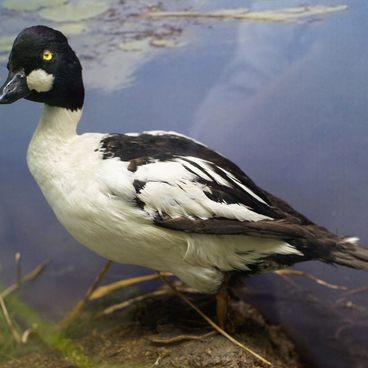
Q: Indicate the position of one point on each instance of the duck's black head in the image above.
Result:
(43, 68)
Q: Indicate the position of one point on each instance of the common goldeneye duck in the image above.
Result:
(155, 199)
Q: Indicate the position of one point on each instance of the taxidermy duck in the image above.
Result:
(155, 199)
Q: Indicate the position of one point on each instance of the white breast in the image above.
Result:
(94, 198)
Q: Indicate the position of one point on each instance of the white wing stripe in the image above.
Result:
(249, 191)
(205, 165)
(193, 168)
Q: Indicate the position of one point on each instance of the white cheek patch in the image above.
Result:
(40, 81)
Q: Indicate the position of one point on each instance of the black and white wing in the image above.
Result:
(183, 185)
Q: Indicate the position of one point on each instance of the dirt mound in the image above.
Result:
(125, 339)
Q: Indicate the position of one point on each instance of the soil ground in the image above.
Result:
(124, 339)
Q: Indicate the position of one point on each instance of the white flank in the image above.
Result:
(172, 190)
(188, 198)
(40, 81)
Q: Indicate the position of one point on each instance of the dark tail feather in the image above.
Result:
(351, 254)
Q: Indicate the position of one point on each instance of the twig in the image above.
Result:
(289, 272)
(9, 322)
(131, 301)
(107, 289)
(18, 260)
(289, 281)
(157, 362)
(356, 291)
(213, 324)
(26, 334)
(27, 278)
(351, 293)
(77, 310)
(346, 326)
(181, 338)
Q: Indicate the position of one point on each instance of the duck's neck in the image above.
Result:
(50, 144)
(57, 123)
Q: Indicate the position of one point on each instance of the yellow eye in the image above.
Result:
(47, 55)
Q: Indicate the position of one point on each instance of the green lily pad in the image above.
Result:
(72, 28)
(164, 42)
(6, 43)
(135, 45)
(280, 15)
(74, 12)
(31, 5)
